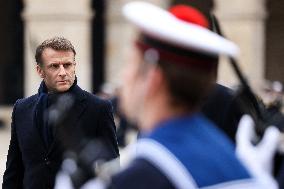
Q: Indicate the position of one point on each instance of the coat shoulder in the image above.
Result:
(96, 101)
(25, 103)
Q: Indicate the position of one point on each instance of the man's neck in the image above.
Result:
(159, 112)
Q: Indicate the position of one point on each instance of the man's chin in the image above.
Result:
(63, 88)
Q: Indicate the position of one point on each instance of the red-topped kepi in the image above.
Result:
(182, 27)
(189, 14)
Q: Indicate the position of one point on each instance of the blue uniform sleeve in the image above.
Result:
(140, 175)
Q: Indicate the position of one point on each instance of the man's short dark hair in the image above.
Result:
(189, 74)
(55, 43)
(187, 86)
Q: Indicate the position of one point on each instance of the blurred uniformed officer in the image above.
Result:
(167, 77)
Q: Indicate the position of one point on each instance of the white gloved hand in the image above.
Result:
(258, 159)
(63, 181)
(95, 184)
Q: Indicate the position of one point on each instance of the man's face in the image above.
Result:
(133, 90)
(57, 69)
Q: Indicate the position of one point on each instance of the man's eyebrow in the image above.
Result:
(61, 62)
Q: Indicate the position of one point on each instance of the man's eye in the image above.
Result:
(67, 65)
(54, 66)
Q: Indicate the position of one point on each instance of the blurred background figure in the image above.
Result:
(222, 107)
(2, 125)
(126, 132)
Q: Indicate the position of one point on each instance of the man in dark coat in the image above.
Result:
(222, 107)
(35, 151)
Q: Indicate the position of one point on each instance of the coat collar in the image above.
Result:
(79, 104)
(73, 116)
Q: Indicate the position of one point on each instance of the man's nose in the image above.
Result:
(62, 71)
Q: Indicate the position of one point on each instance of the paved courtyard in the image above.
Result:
(5, 115)
(4, 144)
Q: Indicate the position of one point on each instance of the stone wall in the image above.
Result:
(244, 23)
(69, 18)
(119, 39)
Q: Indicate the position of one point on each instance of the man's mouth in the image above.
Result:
(62, 82)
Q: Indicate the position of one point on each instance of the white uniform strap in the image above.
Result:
(172, 168)
(178, 175)
(166, 162)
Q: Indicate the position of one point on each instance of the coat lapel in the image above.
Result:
(73, 116)
(34, 123)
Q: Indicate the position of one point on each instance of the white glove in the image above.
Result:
(63, 181)
(94, 184)
(258, 159)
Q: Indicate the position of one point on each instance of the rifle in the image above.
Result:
(249, 102)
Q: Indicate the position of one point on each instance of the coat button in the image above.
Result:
(47, 162)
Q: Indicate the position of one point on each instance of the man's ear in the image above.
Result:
(155, 81)
(39, 71)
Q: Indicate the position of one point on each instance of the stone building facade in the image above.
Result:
(242, 21)
(255, 25)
